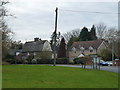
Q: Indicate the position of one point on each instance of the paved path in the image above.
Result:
(106, 68)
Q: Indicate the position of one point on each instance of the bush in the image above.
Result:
(86, 60)
(11, 61)
(14, 61)
(62, 61)
(76, 60)
(10, 57)
(51, 61)
(71, 63)
(106, 54)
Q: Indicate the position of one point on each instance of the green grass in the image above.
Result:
(40, 76)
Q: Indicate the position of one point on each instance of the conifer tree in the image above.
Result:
(93, 33)
(62, 49)
(84, 35)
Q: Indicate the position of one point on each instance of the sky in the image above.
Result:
(36, 18)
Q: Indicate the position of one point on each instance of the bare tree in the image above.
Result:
(110, 33)
(73, 33)
(6, 32)
(101, 30)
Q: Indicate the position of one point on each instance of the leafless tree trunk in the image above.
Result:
(73, 33)
(101, 30)
(6, 32)
(110, 33)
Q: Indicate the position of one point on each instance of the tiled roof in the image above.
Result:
(87, 44)
(33, 46)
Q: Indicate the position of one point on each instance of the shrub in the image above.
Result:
(44, 61)
(106, 54)
(76, 60)
(10, 57)
(62, 61)
(11, 61)
(86, 60)
(71, 63)
(51, 61)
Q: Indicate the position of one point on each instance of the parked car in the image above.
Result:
(110, 63)
(116, 60)
(103, 63)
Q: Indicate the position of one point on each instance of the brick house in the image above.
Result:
(86, 48)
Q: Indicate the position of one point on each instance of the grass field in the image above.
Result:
(40, 76)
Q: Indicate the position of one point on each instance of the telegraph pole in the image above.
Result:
(55, 35)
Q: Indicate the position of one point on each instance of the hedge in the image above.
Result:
(51, 61)
(39, 61)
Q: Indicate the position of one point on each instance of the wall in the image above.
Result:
(47, 46)
(102, 46)
(73, 55)
(43, 55)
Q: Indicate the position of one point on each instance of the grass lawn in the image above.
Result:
(40, 76)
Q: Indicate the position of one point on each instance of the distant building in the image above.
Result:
(86, 48)
(37, 49)
(14, 51)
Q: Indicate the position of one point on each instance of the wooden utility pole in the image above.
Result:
(55, 36)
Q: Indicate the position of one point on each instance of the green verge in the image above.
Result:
(41, 76)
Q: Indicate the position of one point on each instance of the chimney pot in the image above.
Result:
(36, 39)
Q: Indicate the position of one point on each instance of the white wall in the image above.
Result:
(47, 46)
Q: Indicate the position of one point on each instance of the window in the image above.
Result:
(82, 49)
(74, 49)
(91, 49)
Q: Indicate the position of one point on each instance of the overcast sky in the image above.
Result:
(35, 18)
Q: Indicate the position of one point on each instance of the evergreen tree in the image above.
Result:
(72, 39)
(84, 35)
(93, 33)
(62, 49)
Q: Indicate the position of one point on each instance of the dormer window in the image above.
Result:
(91, 49)
(74, 49)
(82, 49)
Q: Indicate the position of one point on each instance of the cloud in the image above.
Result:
(37, 17)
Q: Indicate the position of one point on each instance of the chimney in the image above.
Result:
(36, 39)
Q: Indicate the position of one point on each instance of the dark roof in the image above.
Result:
(87, 44)
(33, 46)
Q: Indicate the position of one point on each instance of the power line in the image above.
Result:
(88, 11)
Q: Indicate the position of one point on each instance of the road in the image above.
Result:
(106, 68)
(115, 69)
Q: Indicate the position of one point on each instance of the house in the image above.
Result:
(14, 52)
(86, 48)
(37, 49)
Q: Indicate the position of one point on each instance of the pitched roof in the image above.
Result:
(86, 44)
(33, 46)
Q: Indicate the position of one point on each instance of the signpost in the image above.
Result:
(95, 62)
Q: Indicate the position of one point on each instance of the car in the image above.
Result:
(117, 59)
(103, 63)
(110, 63)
